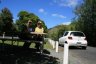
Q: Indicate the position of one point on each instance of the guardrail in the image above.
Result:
(55, 45)
(52, 42)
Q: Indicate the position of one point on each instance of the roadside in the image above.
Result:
(58, 55)
(16, 55)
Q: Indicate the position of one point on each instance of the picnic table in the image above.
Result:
(17, 39)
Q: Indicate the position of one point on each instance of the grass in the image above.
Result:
(17, 55)
(46, 46)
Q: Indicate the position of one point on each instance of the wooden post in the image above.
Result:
(57, 44)
(65, 57)
(3, 34)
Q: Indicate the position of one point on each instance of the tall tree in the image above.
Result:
(7, 20)
(24, 16)
(86, 13)
(1, 23)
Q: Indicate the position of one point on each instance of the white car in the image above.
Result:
(74, 38)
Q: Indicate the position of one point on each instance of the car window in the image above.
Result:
(65, 34)
(77, 34)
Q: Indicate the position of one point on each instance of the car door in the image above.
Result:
(63, 38)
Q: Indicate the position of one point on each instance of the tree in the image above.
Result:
(1, 23)
(24, 16)
(6, 21)
(86, 14)
(56, 32)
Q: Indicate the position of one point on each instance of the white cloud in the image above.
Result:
(66, 3)
(66, 23)
(41, 10)
(70, 3)
(58, 15)
(61, 16)
(54, 14)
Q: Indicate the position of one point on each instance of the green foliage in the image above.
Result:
(86, 14)
(24, 16)
(1, 23)
(7, 25)
(85, 21)
(6, 21)
(56, 32)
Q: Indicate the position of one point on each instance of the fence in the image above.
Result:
(55, 45)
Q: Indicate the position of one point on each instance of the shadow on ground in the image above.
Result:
(17, 55)
(75, 48)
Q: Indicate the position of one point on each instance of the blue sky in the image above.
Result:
(52, 12)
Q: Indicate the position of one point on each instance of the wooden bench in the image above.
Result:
(17, 39)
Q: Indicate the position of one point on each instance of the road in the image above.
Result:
(76, 55)
(79, 56)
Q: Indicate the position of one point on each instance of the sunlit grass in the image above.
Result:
(46, 45)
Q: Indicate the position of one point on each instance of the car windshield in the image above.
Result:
(77, 34)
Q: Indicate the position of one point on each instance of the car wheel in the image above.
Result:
(84, 47)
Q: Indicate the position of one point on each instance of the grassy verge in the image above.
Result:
(46, 46)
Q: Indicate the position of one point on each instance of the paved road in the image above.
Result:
(79, 56)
